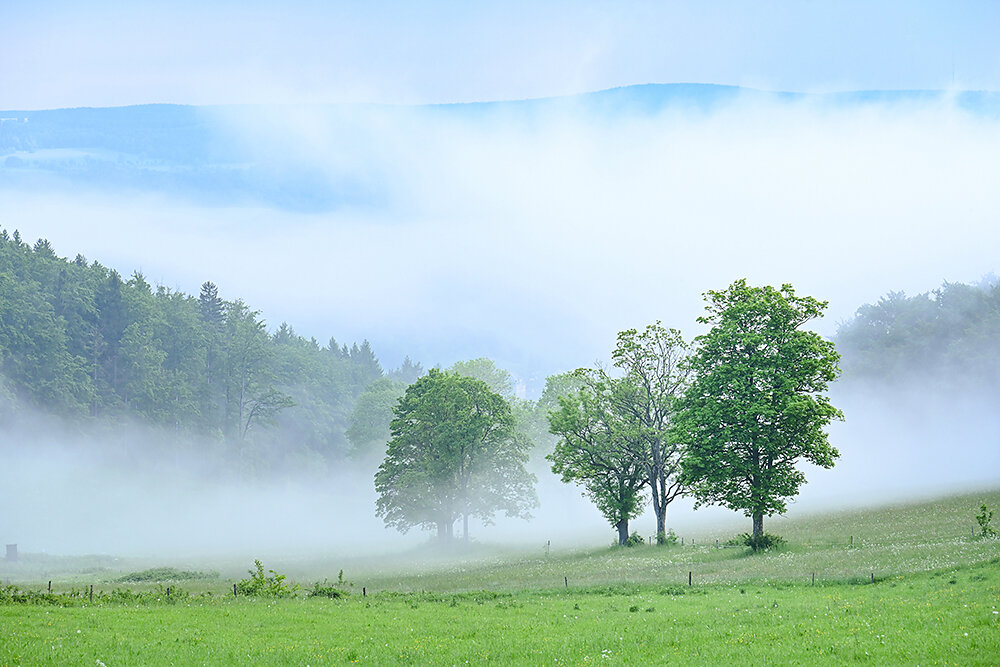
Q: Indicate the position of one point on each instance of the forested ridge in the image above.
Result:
(79, 342)
(950, 336)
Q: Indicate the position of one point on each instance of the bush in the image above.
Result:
(765, 542)
(983, 519)
(261, 585)
(325, 589)
(635, 540)
(668, 539)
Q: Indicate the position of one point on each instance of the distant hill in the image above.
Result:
(209, 153)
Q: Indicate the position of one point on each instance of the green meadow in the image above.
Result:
(914, 588)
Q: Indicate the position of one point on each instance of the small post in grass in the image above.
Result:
(873, 577)
(234, 590)
(566, 581)
(689, 578)
(168, 592)
(716, 544)
(50, 587)
(814, 578)
(92, 592)
(364, 593)
(852, 540)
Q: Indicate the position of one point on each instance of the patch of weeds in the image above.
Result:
(262, 585)
(325, 589)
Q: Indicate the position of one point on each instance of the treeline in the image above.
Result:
(950, 335)
(79, 341)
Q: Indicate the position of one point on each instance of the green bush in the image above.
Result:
(668, 539)
(325, 589)
(765, 542)
(986, 531)
(635, 540)
(261, 585)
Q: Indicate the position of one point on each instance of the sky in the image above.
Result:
(101, 53)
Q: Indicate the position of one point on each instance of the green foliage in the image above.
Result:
(165, 574)
(497, 379)
(325, 589)
(79, 341)
(667, 539)
(635, 540)
(454, 453)
(368, 432)
(615, 432)
(952, 331)
(984, 518)
(755, 407)
(591, 453)
(260, 584)
(762, 542)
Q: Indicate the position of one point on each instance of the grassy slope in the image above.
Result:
(936, 601)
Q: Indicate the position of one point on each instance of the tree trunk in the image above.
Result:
(442, 532)
(661, 524)
(622, 532)
(758, 525)
(465, 528)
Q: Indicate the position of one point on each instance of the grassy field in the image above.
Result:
(935, 600)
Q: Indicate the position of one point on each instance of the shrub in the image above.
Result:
(635, 540)
(983, 519)
(325, 589)
(261, 585)
(765, 542)
(667, 539)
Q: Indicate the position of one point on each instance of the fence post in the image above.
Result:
(689, 578)
(92, 592)
(364, 592)
(50, 587)
(814, 578)
(234, 590)
(566, 581)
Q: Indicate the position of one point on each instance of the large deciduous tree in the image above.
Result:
(454, 453)
(646, 396)
(755, 407)
(593, 452)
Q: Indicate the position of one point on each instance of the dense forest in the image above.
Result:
(83, 346)
(949, 337)
(80, 343)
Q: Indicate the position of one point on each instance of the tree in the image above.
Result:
(592, 452)
(250, 398)
(755, 407)
(655, 375)
(454, 453)
(496, 378)
(369, 427)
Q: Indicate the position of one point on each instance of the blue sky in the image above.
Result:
(58, 54)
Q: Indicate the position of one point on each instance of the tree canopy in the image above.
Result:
(755, 407)
(593, 452)
(80, 342)
(454, 453)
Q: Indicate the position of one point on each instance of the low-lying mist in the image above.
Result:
(133, 492)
